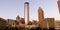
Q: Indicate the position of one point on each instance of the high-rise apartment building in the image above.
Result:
(40, 14)
(58, 5)
(26, 12)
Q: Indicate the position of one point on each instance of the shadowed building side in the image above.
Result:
(22, 21)
(57, 24)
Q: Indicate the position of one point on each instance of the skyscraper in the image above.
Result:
(26, 12)
(58, 5)
(40, 14)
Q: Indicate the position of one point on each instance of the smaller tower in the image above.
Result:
(18, 19)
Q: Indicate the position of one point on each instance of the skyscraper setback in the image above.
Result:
(40, 14)
(26, 12)
(58, 5)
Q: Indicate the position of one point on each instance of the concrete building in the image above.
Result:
(40, 14)
(58, 2)
(10, 21)
(51, 22)
(26, 12)
(43, 24)
(57, 24)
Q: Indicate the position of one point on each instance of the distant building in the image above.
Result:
(40, 14)
(44, 24)
(51, 22)
(3, 24)
(26, 12)
(22, 21)
(10, 21)
(18, 19)
(34, 22)
(57, 24)
(58, 5)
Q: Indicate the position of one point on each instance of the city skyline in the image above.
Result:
(16, 7)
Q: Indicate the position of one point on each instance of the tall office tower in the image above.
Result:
(58, 5)
(40, 14)
(26, 12)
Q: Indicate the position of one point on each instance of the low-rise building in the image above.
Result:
(3, 23)
(57, 24)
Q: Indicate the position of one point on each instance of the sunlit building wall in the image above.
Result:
(51, 22)
(26, 12)
(57, 24)
(58, 2)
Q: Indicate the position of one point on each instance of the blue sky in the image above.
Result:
(9, 9)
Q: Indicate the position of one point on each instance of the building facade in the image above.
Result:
(40, 14)
(58, 2)
(57, 24)
(26, 12)
(51, 22)
(43, 24)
